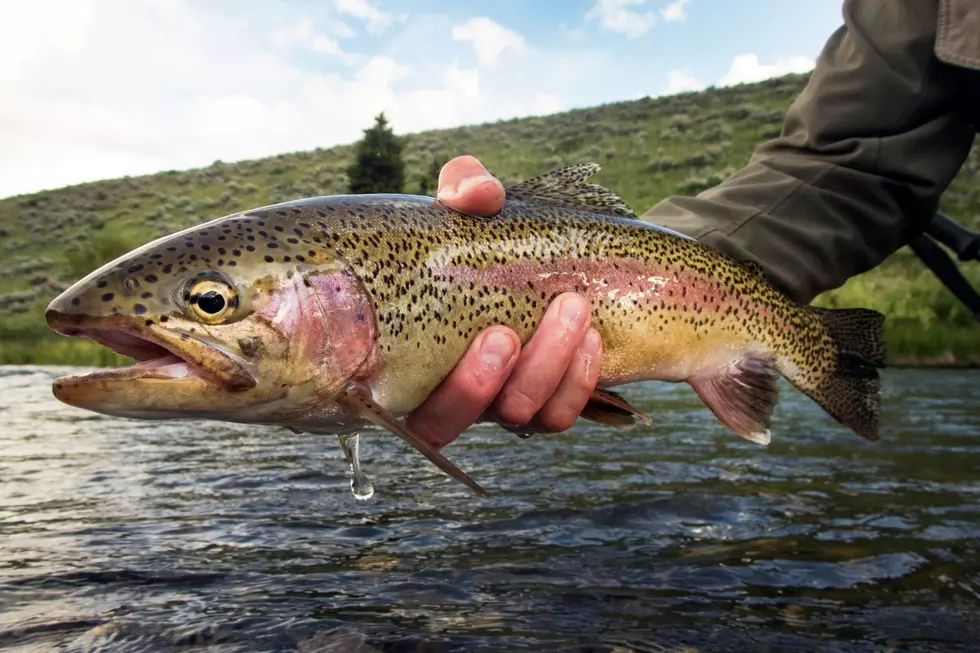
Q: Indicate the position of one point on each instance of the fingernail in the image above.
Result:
(497, 349)
(465, 185)
(571, 312)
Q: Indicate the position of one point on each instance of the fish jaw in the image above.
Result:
(176, 374)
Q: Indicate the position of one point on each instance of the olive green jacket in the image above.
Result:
(882, 127)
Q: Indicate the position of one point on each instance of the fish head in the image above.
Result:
(250, 318)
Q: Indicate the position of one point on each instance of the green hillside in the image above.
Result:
(648, 149)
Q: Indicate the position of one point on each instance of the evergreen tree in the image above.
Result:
(378, 166)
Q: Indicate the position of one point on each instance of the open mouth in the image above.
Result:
(160, 353)
(154, 360)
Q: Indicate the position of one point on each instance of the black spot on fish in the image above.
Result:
(107, 297)
(102, 283)
(139, 309)
(146, 295)
(76, 301)
(151, 278)
(268, 259)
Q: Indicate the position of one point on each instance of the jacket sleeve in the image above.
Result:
(865, 153)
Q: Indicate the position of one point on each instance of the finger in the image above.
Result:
(467, 186)
(566, 404)
(544, 360)
(460, 400)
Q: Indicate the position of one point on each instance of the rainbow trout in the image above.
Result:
(328, 314)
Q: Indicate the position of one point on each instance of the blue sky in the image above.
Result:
(102, 88)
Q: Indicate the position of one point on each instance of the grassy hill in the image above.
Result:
(649, 148)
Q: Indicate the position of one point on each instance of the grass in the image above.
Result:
(648, 149)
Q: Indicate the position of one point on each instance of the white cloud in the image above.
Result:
(299, 33)
(545, 103)
(675, 11)
(746, 68)
(377, 20)
(340, 29)
(96, 89)
(326, 45)
(681, 81)
(304, 33)
(491, 41)
(617, 16)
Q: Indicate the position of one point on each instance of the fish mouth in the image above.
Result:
(160, 355)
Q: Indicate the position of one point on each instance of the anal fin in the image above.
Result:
(742, 395)
(607, 407)
(360, 401)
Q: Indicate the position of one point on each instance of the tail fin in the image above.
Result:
(843, 378)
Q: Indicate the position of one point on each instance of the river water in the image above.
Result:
(121, 535)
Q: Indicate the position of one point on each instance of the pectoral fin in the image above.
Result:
(607, 407)
(360, 401)
(742, 395)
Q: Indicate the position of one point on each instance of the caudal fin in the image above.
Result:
(843, 378)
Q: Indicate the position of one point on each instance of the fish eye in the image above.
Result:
(212, 301)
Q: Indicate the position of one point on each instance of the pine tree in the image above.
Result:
(378, 166)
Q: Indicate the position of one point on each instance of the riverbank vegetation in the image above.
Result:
(648, 148)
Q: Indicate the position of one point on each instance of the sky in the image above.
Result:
(96, 89)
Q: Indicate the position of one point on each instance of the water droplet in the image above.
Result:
(360, 484)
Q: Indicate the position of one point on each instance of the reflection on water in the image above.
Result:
(136, 536)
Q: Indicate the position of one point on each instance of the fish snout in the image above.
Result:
(64, 312)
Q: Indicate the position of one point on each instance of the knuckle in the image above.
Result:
(558, 419)
(516, 407)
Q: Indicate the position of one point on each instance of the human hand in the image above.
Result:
(541, 387)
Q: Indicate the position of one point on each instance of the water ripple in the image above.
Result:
(134, 536)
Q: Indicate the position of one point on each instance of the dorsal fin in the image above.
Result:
(567, 186)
